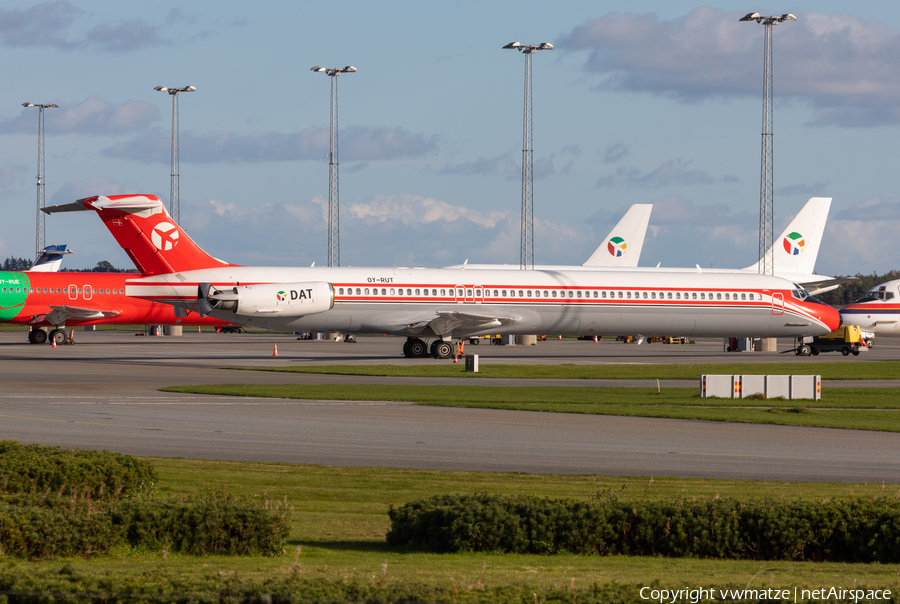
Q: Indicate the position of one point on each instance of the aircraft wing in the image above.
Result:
(60, 314)
(446, 321)
(825, 285)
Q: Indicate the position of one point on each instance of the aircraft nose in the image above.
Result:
(830, 317)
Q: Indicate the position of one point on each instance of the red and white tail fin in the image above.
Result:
(146, 232)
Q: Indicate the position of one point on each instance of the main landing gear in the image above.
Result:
(416, 348)
(39, 336)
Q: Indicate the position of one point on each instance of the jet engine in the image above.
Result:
(268, 299)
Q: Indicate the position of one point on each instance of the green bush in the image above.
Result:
(98, 474)
(39, 533)
(858, 530)
(214, 523)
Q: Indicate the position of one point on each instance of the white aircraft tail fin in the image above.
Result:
(797, 249)
(50, 259)
(623, 245)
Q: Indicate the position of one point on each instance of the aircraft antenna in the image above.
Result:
(526, 247)
(41, 227)
(334, 220)
(174, 191)
(766, 193)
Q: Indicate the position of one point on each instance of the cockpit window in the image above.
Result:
(799, 293)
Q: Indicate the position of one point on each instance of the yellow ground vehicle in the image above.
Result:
(847, 339)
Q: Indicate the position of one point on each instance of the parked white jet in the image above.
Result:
(795, 253)
(446, 303)
(878, 311)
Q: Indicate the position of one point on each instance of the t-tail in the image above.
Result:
(146, 232)
(50, 259)
(797, 249)
(622, 247)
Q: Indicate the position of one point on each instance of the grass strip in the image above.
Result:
(340, 521)
(846, 370)
(850, 408)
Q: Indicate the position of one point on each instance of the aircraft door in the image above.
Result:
(73, 292)
(87, 292)
(459, 294)
(478, 294)
(777, 304)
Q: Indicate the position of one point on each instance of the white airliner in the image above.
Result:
(878, 311)
(795, 252)
(444, 303)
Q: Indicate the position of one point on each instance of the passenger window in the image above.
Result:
(604, 294)
(629, 295)
(418, 293)
(341, 291)
(579, 294)
(367, 291)
(718, 296)
(459, 293)
(358, 292)
(652, 295)
(678, 295)
(477, 293)
(620, 295)
(702, 296)
(408, 291)
(752, 298)
(443, 292)
(726, 296)
(554, 293)
(743, 296)
(434, 292)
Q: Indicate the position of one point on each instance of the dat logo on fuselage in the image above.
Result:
(303, 294)
(164, 236)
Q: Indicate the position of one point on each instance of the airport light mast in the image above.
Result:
(174, 192)
(334, 220)
(526, 247)
(766, 193)
(41, 228)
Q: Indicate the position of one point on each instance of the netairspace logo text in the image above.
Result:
(700, 594)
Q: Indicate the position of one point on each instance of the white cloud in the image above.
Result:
(92, 116)
(61, 25)
(412, 209)
(358, 143)
(847, 69)
(670, 172)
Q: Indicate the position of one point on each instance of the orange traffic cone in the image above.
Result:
(198, 329)
(455, 359)
(72, 337)
(275, 351)
(595, 339)
(53, 345)
(560, 337)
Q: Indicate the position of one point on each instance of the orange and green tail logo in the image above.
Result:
(13, 291)
(794, 243)
(616, 247)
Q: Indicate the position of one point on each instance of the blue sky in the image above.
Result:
(660, 104)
